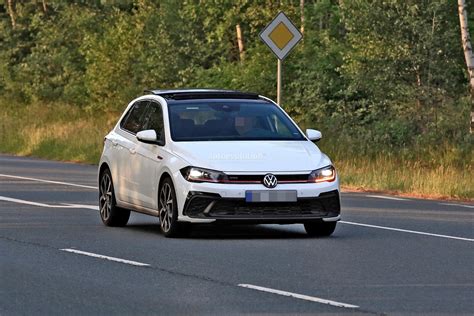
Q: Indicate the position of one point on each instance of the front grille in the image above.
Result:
(258, 178)
(244, 209)
(210, 206)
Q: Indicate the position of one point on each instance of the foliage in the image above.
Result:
(377, 77)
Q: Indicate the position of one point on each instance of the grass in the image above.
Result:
(66, 133)
(58, 132)
(406, 177)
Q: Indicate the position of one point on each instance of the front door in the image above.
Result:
(148, 160)
(125, 144)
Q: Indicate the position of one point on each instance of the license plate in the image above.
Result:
(271, 196)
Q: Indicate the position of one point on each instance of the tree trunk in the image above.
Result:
(302, 16)
(11, 12)
(45, 7)
(466, 42)
(240, 42)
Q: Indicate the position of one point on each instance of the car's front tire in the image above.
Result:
(320, 229)
(110, 213)
(168, 211)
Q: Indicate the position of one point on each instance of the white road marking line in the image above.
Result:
(49, 181)
(386, 197)
(90, 254)
(7, 199)
(90, 207)
(407, 231)
(462, 205)
(298, 296)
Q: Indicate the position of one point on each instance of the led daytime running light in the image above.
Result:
(194, 174)
(326, 174)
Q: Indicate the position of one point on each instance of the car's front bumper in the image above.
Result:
(201, 205)
(315, 201)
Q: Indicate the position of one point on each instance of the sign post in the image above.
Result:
(281, 36)
(279, 81)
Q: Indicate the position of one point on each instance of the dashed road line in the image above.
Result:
(386, 197)
(90, 254)
(298, 296)
(407, 231)
(248, 286)
(182, 274)
(49, 181)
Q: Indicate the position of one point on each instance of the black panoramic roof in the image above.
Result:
(189, 94)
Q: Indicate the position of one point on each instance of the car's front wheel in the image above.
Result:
(320, 229)
(168, 211)
(110, 213)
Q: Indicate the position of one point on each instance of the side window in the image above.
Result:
(155, 119)
(133, 121)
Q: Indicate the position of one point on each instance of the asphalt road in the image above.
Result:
(389, 255)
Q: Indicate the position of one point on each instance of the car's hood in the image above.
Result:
(252, 156)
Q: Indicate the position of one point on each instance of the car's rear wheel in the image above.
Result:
(320, 229)
(110, 213)
(168, 211)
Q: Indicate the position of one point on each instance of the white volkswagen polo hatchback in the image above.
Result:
(204, 156)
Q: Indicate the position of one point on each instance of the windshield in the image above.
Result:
(230, 120)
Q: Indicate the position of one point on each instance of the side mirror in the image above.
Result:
(313, 135)
(148, 136)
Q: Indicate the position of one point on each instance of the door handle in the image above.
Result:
(133, 151)
(114, 143)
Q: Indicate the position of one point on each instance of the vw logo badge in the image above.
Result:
(270, 181)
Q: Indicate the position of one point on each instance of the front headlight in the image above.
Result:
(195, 174)
(326, 174)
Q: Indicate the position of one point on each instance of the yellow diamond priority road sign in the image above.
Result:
(281, 35)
